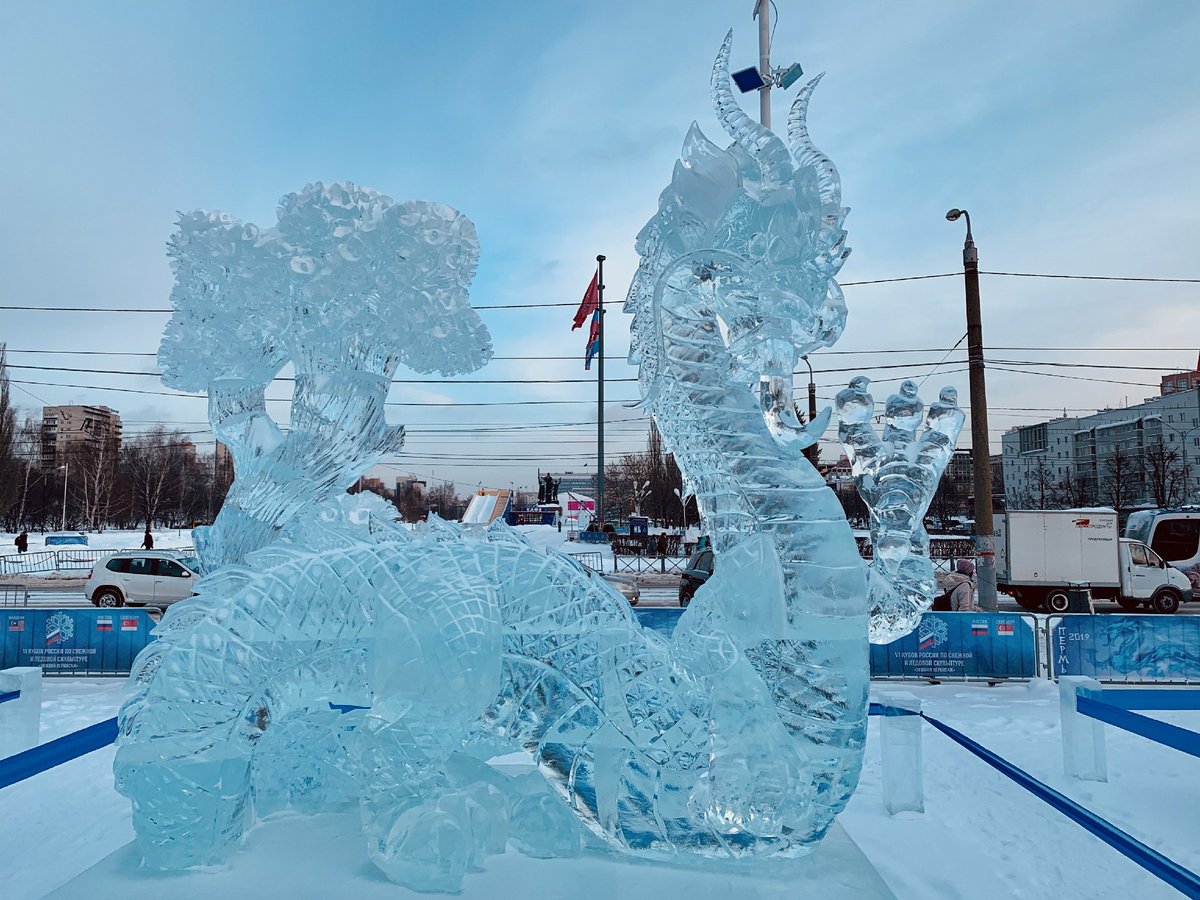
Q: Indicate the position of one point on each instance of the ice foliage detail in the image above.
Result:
(346, 286)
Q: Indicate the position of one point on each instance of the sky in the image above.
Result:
(1068, 130)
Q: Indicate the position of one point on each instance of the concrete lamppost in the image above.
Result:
(65, 468)
(985, 544)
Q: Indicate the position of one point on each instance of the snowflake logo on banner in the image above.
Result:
(932, 633)
(59, 627)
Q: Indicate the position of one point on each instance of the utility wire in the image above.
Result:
(1097, 277)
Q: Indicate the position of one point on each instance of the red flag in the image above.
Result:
(593, 345)
(589, 304)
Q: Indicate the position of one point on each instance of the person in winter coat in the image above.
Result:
(22, 542)
(962, 587)
(148, 540)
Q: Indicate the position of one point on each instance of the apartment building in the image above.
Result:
(69, 430)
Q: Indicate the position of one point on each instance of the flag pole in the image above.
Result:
(600, 393)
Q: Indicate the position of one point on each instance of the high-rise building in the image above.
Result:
(69, 430)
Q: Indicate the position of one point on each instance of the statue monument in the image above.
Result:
(333, 657)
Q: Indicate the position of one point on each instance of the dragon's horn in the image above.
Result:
(770, 152)
(807, 155)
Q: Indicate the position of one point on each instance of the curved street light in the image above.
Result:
(985, 547)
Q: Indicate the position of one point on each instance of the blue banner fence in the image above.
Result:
(968, 646)
(1125, 649)
(74, 641)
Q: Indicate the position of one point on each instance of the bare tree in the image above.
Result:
(1164, 474)
(93, 477)
(10, 462)
(1073, 490)
(444, 501)
(1120, 480)
(412, 500)
(27, 448)
(1040, 490)
(153, 465)
(947, 501)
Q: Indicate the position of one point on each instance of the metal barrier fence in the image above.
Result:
(1125, 649)
(590, 560)
(65, 560)
(660, 564)
(14, 595)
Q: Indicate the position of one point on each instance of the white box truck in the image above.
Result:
(1041, 554)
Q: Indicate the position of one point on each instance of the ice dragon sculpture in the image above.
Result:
(333, 657)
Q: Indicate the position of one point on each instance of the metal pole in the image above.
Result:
(66, 475)
(985, 545)
(814, 452)
(764, 60)
(600, 393)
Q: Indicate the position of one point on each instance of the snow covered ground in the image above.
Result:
(980, 836)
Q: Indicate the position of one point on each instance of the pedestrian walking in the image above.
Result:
(22, 542)
(961, 584)
(147, 540)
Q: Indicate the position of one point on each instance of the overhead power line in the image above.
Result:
(1097, 277)
(575, 303)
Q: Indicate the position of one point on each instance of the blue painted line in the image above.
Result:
(1168, 698)
(28, 763)
(11, 695)
(1160, 732)
(1183, 880)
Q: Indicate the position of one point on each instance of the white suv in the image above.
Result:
(141, 578)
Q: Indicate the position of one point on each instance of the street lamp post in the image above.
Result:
(985, 547)
(682, 510)
(66, 470)
(814, 452)
(639, 494)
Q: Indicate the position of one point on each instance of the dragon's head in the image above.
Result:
(757, 229)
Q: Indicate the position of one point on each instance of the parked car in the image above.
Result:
(626, 587)
(141, 578)
(698, 570)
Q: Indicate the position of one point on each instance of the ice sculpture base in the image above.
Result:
(323, 856)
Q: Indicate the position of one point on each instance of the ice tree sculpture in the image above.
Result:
(346, 286)
(332, 657)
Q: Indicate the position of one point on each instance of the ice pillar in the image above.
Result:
(900, 736)
(20, 716)
(1082, 736)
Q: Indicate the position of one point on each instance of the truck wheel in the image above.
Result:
(1166, 601)
(1128, 603)
(1057, 601)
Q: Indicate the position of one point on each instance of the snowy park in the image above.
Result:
(292, 623)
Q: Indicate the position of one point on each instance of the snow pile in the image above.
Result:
(980, 837)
